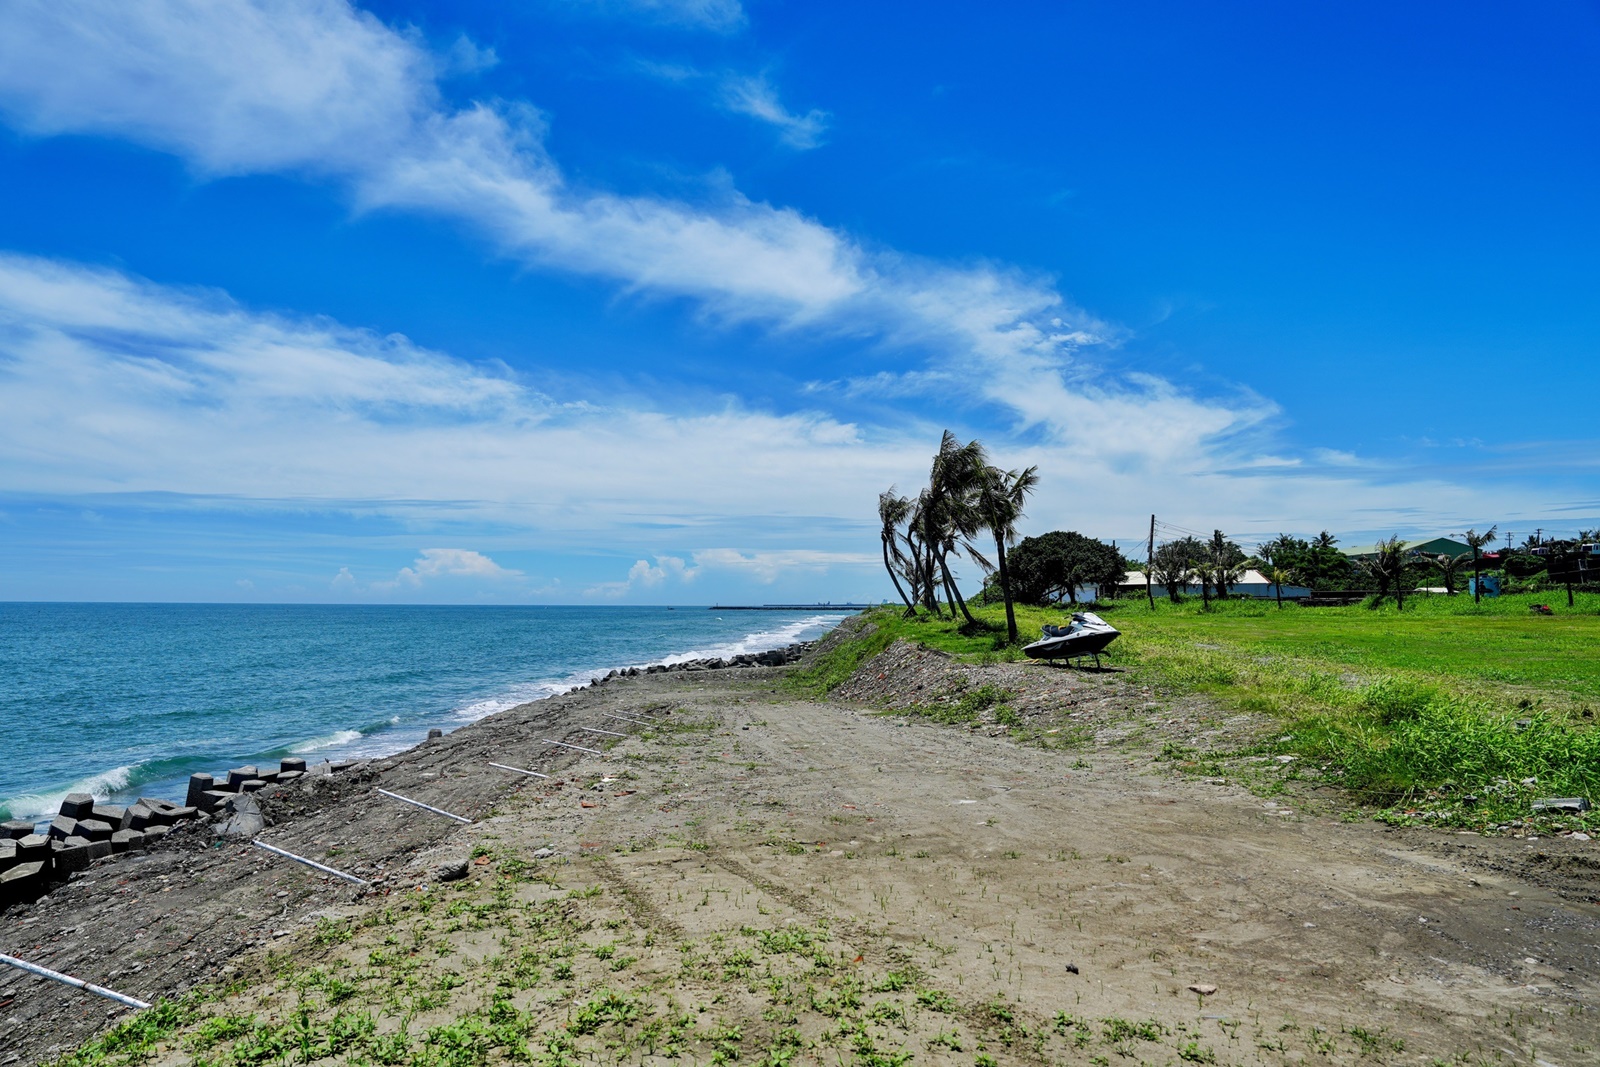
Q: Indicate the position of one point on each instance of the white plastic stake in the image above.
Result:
(67, 979)
(275, 850)
(595, 730)
(519, 770)
(424, 807)
(580, 748)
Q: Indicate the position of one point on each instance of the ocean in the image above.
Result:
(128, 700)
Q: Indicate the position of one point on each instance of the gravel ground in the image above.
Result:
(1077, 876)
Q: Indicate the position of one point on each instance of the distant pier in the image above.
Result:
(791, 607)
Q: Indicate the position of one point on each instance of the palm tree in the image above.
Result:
(949, 517)
(1476, 541)
(999, 501)
(1173, 565)
(892, 511)
(1447, 566)
(1224, 564)
(1388, 568)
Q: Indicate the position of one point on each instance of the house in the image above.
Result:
(1250, 584)
(1438, 546)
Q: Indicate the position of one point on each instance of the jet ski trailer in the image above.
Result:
(1087, 635)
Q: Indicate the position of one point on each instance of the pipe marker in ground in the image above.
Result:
(67, 979)
(424, 807)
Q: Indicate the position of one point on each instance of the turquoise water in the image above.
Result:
(123, 700)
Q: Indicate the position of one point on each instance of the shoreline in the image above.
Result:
(122, 785)
(861, 859)
(233, 889)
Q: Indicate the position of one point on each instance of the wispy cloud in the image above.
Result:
(722, 16)
(754, 96)
(315, 86)
(453, 563)
(112, 384)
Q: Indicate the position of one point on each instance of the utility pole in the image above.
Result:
(1149, 565)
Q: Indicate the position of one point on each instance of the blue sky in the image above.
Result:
(593, 301)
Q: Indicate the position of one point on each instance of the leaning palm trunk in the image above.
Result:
(1005, 586)
(955, 594)
(911, 608)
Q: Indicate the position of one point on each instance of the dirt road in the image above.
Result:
(755, 876)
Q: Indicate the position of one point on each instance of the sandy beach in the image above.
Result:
(763, 877)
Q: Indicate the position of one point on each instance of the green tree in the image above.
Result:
(1175, 563)
(1389, 568)
(1051, 567)
(1279, 558)
(1476, 541)
(999, 501)
(1223, 562)
(1448, 566)
(892, 511)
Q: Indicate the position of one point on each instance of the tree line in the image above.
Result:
(969, 504)
(966, 498)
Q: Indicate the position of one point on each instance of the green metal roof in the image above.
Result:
(1434, 546)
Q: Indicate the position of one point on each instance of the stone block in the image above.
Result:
(179, 814)
(291, 763)
(33, 847)
(22, 881)
(245, 819)
(285, 777)
(156, 833)
(157, 804)
(74, 858)
(95, 830)
(16, 828)
(138, 818)
(341, 765)
(213, 799)
(199, 785)
(251, 785)
(127, 841)
(111, 813)
(78, 806)
(63, 827)
(8, 854)
(98, 849)
(241, 774)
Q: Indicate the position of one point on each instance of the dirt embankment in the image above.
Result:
(760, 877)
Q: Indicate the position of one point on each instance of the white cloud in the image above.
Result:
(112, 385)
(231, 86)
(115, 385)
(754, 96)
(452, 563)
(768, 567)
(313, 85)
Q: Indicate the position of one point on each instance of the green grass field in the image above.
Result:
(1446, 712)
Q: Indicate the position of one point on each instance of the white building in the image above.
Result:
(1250, 584)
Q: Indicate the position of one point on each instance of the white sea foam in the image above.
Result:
(350, 744)
(760, 641)
(333, 740)
(45, 805)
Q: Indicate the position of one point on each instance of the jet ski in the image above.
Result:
(1087, 635)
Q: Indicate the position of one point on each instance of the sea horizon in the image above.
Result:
(123, 699)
